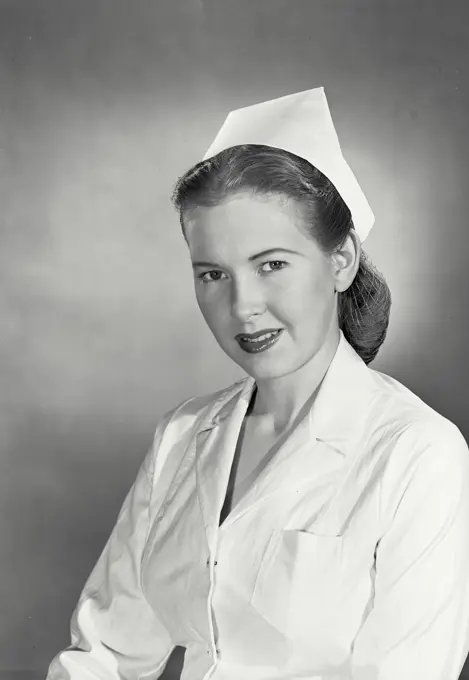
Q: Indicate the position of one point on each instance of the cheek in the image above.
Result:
(309, 313)
(211, 307)
(311, 294)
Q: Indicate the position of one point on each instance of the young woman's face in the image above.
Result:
(265, 289)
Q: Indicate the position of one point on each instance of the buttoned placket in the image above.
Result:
(214, 650)
(213, 531)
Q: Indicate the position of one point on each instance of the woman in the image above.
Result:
(311, 520)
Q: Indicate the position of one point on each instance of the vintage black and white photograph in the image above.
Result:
(234, 327)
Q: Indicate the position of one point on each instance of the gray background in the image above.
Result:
(102, 105)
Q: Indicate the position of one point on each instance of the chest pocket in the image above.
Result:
(304, 584)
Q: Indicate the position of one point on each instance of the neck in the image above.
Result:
(280, 402)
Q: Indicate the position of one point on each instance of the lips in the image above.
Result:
(259, 341)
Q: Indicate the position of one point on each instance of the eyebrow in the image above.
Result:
(256, 256)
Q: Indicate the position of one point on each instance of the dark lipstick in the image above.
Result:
(259, 341)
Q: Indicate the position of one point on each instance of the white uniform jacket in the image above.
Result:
(347, 559)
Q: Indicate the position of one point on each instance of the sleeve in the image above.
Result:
(418, 628)
(114, 631)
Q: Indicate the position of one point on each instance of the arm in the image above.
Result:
(115, 633)
(418, 628)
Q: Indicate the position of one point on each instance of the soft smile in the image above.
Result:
(260, 341)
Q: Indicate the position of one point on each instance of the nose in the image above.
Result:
(247, 299)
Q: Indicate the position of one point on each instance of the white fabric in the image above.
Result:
(302, 124)
(348, 559)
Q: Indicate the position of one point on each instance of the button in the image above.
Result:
(209, 651)
(208, 562)
(215, 563)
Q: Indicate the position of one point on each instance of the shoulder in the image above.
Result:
(418, 446)
(386, 412)
(195, 411)
(405, 414)
(178, 426)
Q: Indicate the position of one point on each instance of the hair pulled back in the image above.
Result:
(363, 309)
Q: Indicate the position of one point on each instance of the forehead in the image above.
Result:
(245, 224)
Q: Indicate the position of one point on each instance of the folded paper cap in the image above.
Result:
(302, 124)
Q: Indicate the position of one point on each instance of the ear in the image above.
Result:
(345, 262)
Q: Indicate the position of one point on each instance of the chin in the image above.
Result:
(266, 370)
(262, 366)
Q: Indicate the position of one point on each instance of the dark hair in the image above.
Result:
(363, 309)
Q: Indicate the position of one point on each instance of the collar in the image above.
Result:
(339, 412)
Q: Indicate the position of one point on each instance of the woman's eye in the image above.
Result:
(212, 276)
(273, 265)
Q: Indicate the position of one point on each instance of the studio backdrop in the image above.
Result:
(103, 103)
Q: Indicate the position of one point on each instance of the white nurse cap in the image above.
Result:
(302, 124)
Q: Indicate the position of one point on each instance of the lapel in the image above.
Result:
(324, 443)
(215, 445)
